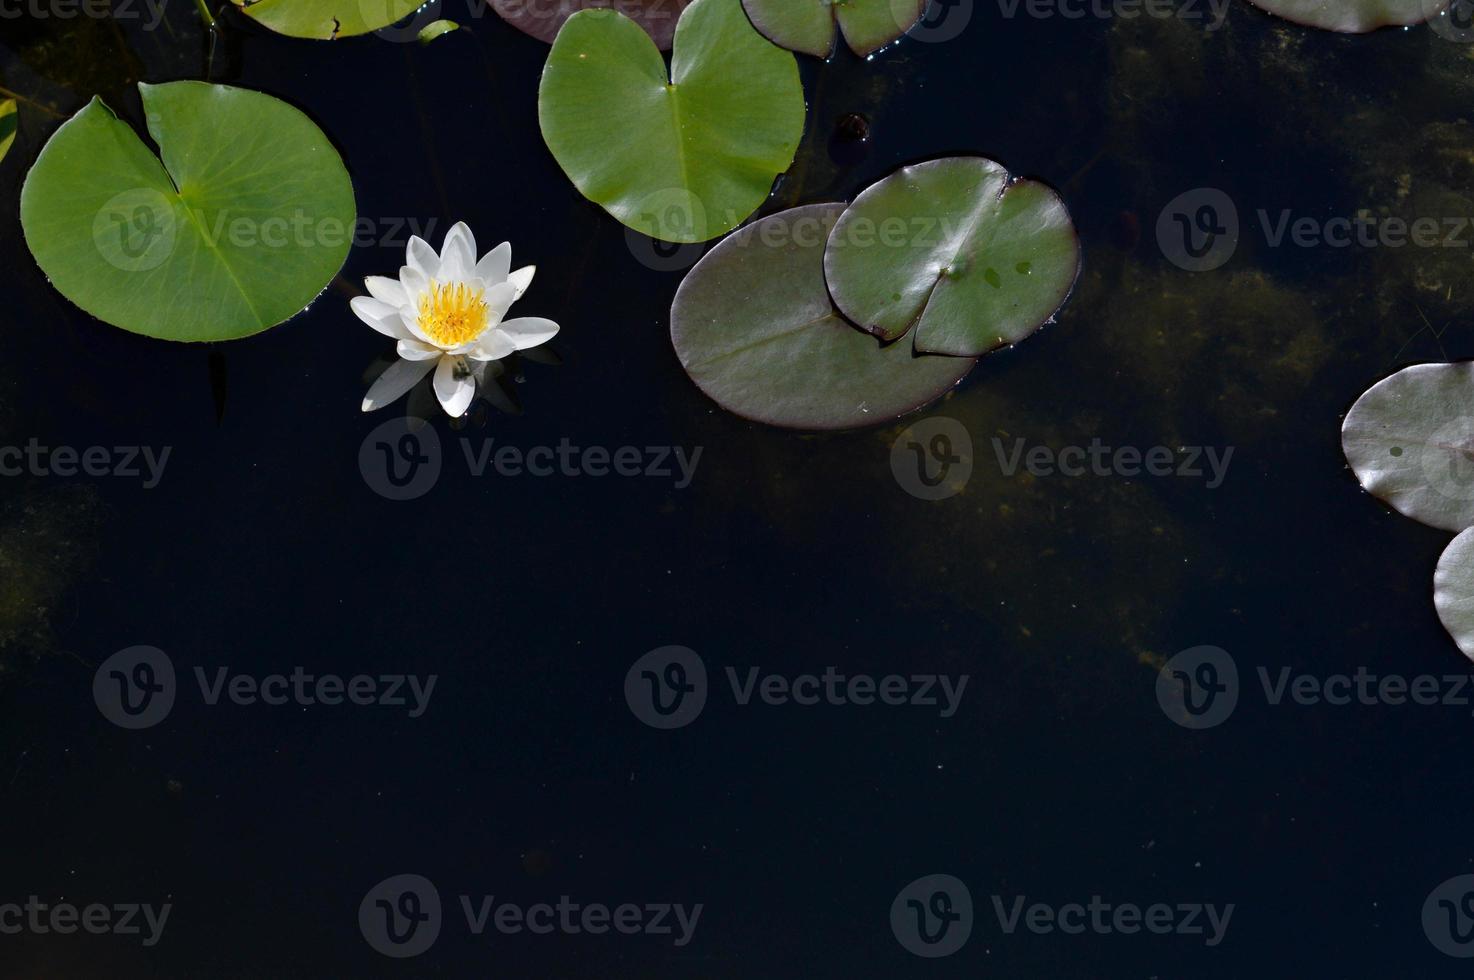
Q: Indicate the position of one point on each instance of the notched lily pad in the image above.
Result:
(1453, 590)
(969, 257)
(809, 25)
(754, 327)
(243, 218)
(1354, 16)
(1410, 440)
(543, 19)
(685, 157)
(325, 20)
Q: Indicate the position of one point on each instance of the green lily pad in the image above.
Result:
(754, 327)
(1410, 440)
(247, 218)
(809, 25)
(1453, 590)
(971, 258)
(682, 158)
(437, 29)
(544, 18)
(325, 20)
(1354, 16)
(9, 119)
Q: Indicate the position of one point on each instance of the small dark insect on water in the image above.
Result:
(849, 143)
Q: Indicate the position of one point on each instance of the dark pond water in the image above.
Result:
(262, 549)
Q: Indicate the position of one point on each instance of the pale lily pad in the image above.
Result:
(754, 327)
(969, 257)
(543, 19)
(1410, 439)
(326, 20)
(437, 29)
(247, 218)
(1453, 590)
(8, 121)
(1354, 16)
(809, 25)
(682, 160)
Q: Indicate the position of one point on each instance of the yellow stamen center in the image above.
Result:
(452, 314)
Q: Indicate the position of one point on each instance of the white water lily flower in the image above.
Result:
(446, 313)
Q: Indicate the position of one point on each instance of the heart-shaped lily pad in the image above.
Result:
(1354, 16)
(544, 18)
(683, 160)
(1410, 439)
(8, 120)
(809, 25)
(957, 249)
(1453, 590)
(755, 329)
(326, 20)
(248, 216)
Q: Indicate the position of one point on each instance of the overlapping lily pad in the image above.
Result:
(1453, 590)
(685, 157)
(955, 249)
(1354, 16)
(544, 18)
(326, 20)
(754, 327)
(809, 25)
(1410, 440)
(246, 218)
(8, 121)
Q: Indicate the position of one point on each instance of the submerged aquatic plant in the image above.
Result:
(446, 312)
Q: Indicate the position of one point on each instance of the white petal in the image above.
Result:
(499, 299)
(416, 284)
(422, 258)
(401, 377)
(387, 290)
(458, 256)
(492, 268)
(454, 388)
(381, 316)
(522, 278)
(414, 350)
(493, 346)
(528, 331)
(410, 321)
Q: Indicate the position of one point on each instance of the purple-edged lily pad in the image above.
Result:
(754, 327)
(1355, 16)
(956, 252)
(809, 25)
(543, 19)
